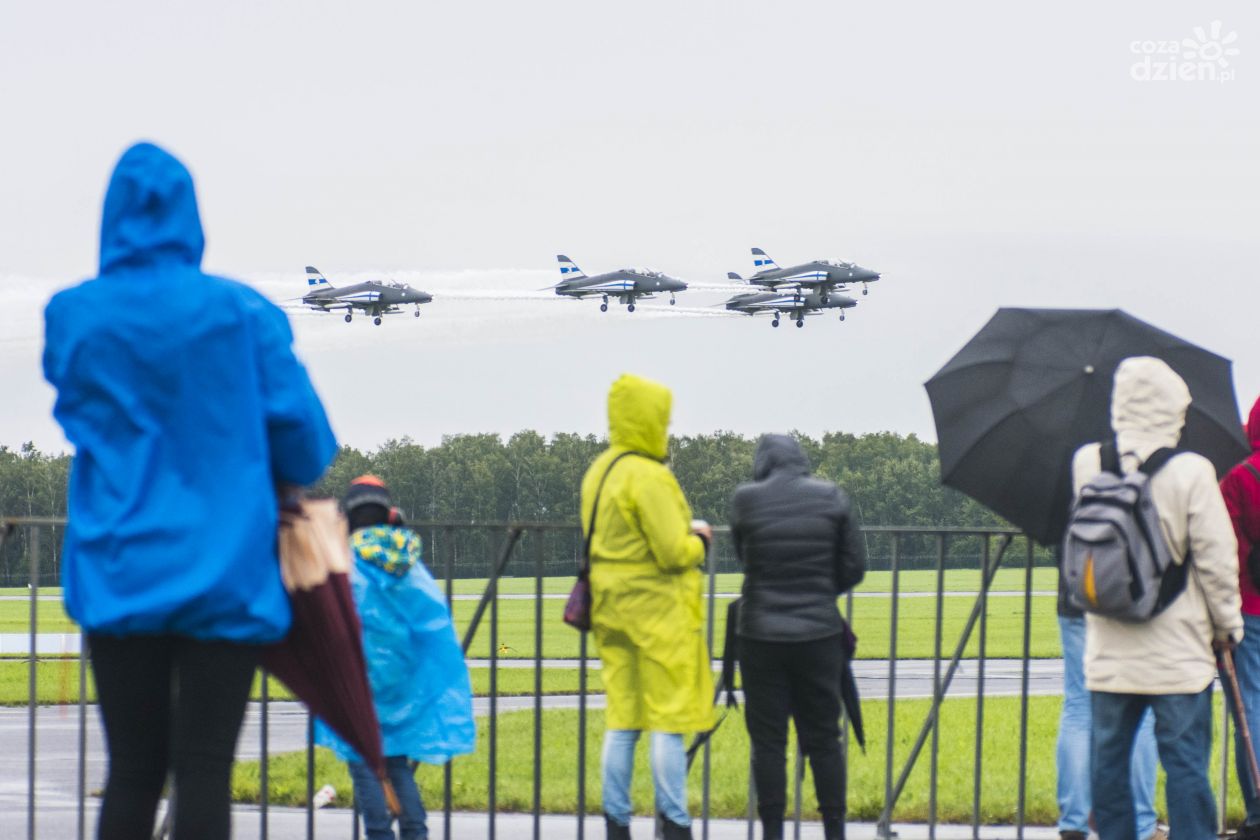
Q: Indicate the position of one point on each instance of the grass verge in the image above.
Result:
(729, 785)
(57, 682)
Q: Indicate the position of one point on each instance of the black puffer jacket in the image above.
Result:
(799, 545)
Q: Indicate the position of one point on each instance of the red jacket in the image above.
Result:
(1241, 490)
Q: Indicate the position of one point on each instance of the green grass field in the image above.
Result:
(916, 616)
(57, 682)
(729, 791)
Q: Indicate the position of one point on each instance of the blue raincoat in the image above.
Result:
(415, 665)
(185, 404)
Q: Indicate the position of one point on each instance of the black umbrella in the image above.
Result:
(1035, 384)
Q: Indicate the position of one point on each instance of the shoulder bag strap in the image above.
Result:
(585, 568)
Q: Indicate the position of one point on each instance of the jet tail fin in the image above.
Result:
(568, 268)
(762, 261)
(730, 275)
(315, 280)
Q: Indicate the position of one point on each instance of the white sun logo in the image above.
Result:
(1210, 48)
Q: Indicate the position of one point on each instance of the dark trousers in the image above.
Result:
(169, 702)
(800, 680)
(1183, 736)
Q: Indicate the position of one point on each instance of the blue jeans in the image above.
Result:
(669, 775)
(1247, 664)
(1073, 749)
(1183, 733)
(370, 798)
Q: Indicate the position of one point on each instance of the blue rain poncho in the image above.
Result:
(415, 665)
(185, 404)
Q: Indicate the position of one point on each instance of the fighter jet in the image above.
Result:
(626, 285)
(374, 297)
(823, 276)
(795, 304)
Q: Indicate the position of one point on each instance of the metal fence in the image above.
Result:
(538, 551)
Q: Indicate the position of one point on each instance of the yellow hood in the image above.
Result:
(638, 415)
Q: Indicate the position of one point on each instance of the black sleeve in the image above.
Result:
(850, 552)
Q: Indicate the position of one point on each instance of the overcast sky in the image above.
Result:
(978, 154)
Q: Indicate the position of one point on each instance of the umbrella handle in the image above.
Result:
(391, 796)
(1240, 715)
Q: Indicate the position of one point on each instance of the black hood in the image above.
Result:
(779, 455)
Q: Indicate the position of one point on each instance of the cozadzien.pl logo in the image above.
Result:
(1207, 57)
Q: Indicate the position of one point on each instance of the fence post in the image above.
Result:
(538, 537)
(264, 779)
(934, 763)
(310, 776)
(82, 808)
(984, 636)
(450, 605)
(581, 762)
(33, 561)
(883, 828)
(708, 744)
(1023, 694)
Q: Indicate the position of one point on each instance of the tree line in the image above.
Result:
(893, 479)
(480, 478)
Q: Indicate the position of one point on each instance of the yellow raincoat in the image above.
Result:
(647, 612)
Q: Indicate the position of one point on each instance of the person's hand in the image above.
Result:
(1224, 643)
(704, 531)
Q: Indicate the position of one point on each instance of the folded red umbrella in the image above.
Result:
(321, 659)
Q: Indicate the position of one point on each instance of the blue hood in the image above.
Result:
(150, 214)
(185, 404)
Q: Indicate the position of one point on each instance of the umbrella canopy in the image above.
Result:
(321, 659)
(1034, 385)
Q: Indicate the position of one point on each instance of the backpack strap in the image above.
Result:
(1109, 456)
(1158, 458)
(1251, 468)
(1173, 580)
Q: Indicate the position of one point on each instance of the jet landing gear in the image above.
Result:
(800, 322)
(671, 299)
(417, 312)
(775, 322)
(866, 290)
(630, 307)
(377, 320)
(349, 317)
(841, 316)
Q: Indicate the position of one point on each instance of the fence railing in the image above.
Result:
(536, 552)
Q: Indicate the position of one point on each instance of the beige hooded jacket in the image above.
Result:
(1171, 653)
